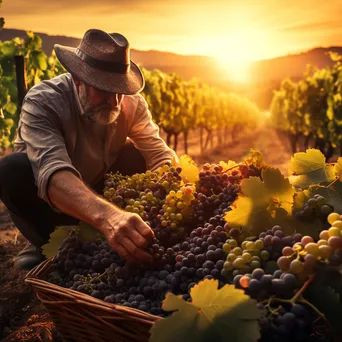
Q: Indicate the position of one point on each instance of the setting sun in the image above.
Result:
(238, 49)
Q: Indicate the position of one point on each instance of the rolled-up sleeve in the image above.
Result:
(41, 130)
(145, 135)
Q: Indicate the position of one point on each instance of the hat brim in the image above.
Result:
(128, 84)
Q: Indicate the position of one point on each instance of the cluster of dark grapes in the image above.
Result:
(315, 208)
(288, 322)
(94, 268)
(207, 206)
(261, 285)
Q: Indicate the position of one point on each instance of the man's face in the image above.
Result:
(99, 106)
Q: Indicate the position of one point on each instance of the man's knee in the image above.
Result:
(15, 169)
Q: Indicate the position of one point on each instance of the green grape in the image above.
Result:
(180, 205)
(226, 247)
(228, 266)
(233, 243)
(250, 245)
(238, 263)
(259, 244)
(237, 251)
(179, 216)
(264, 255)
(254, 264)
(247, 257)
(231, 257)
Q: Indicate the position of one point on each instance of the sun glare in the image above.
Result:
(238, 49)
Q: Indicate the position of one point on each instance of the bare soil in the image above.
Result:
(23, 317)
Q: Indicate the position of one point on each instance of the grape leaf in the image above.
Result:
(256, 158)
(228, 165)
(304, 162)
(326, 300)
(190, 172)
(262, 204)
(211, 314)
(300, 198)
(319, 176)
(338, 168)
(87, 232)
(50, 249)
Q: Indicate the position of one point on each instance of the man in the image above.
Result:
(73, 130)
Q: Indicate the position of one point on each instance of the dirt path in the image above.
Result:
(23, 318)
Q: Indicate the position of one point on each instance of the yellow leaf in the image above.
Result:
(256, 159)
(190, 172)
(305, 162)
(228, 165)
(338, 168)
(260, 201)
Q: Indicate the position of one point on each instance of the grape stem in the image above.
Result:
(302, 289)
(296, 298)
(233, 167)
(333, 182)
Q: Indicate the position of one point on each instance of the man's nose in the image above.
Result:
(115, 99)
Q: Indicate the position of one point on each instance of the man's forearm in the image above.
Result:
(70, 195)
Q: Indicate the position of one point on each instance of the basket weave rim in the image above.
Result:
(33, 277)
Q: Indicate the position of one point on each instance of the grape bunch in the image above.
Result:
(177, 207)
(315, 208)
(255, 253)
(288, 322)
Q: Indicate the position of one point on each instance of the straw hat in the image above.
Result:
(102, 60)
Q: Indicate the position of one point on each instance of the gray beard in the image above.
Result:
(103, 117)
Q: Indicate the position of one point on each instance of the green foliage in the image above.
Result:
(179, 106)
(210, 317)
(38, 67)
(312, 107)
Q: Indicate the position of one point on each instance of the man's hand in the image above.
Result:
(128, 235)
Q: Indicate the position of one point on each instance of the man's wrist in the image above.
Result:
(103, 213)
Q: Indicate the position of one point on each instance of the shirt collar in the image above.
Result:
(77, 98)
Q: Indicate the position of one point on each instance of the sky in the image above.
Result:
(231, 30)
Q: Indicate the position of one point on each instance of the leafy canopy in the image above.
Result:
(213, 315)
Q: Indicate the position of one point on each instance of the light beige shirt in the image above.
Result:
(56, 135)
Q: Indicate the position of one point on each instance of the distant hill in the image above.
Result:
(265, 75)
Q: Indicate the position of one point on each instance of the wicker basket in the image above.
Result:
(82, 318)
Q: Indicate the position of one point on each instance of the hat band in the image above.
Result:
(103, 65)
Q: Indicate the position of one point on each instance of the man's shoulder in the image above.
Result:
(132, 102)
(57, 88)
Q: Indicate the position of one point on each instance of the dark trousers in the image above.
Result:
(33, 216)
